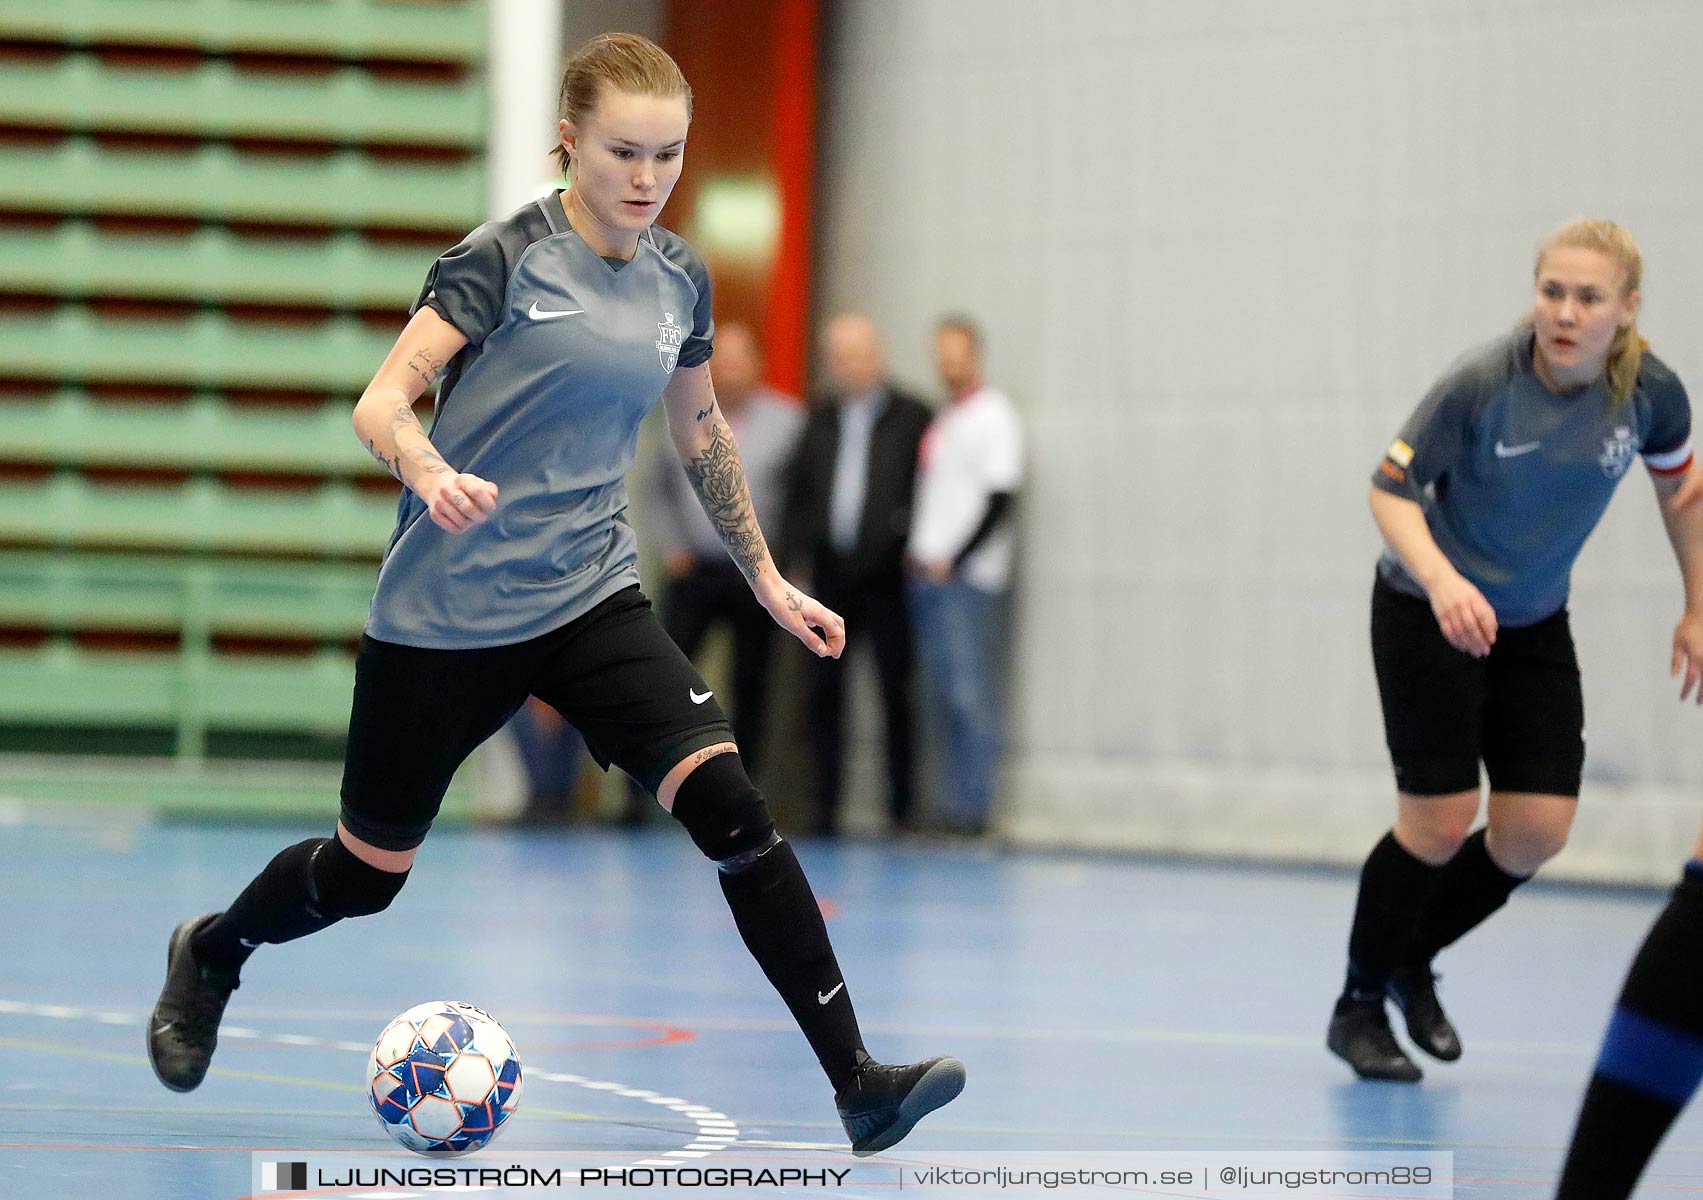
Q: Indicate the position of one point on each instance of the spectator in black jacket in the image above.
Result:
(848, 517)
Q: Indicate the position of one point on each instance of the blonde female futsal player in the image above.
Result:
(1485, 500)
(511, 572)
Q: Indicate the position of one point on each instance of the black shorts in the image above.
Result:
(614, 674)
(1519, 710)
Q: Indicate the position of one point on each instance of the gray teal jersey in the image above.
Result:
(566, 352)
(1512, 477)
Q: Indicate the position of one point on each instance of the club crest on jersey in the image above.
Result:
(668, 339)
(1618, 452)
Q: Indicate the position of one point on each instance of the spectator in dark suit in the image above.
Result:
(848, 516)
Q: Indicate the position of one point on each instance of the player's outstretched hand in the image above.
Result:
(1464, 615)
(1688, 656)
(807, 619)
(459, 502)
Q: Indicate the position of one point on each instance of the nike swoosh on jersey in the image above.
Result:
(697, 699)
(545, 314)
(824, 997)
(1515, 451)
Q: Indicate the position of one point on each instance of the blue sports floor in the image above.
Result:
(1100, 1004)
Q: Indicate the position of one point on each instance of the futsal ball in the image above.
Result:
(444, 1077)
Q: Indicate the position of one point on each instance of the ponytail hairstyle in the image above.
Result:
(1605, 237)
(622, 62)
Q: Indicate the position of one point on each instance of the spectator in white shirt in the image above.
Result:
(961, 548)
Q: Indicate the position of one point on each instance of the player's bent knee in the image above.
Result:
(1431, 842)
(377, 856)
(345, 886)
(1524, 851)
(1433, 827)
(724, 813)
(1449, 836)
(669, 788)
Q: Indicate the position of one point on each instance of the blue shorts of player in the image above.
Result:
(1519, 710)
(614, 674)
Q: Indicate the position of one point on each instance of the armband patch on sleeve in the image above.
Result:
(1400, 453)
(1670, 462)
(1393, 471)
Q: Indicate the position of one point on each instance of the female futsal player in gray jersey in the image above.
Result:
(1484, 501)
(550, 334)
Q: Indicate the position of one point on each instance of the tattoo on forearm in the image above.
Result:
(719, 480)
(704, 412)
(426, 366)
(416, 449)
(393, 465)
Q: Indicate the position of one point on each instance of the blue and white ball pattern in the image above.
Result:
(444, 1078)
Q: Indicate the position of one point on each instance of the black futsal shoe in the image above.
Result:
(880, 1105)
(185, 1026)
(1414, 990)
(1360, 1036)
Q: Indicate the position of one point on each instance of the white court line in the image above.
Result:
(714, 1130)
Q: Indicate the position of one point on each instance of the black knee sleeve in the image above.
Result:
(724, 813)
(341, 885)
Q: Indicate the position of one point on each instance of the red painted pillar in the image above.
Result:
(752, 65)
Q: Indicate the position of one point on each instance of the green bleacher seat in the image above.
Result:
(62, 682)
(68, 427)
(217, 99)
(193, 688)
(191, 692)
(435, 32)
(63, 592)
(212, 265)
(260, 692)
(200, 515)
(207, 350)
(216, 182)
(150, 606)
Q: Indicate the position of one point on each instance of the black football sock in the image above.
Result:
(1651, 1059)
(1394, 886)
(778, 917)
(1470, 888)
(305, 888)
